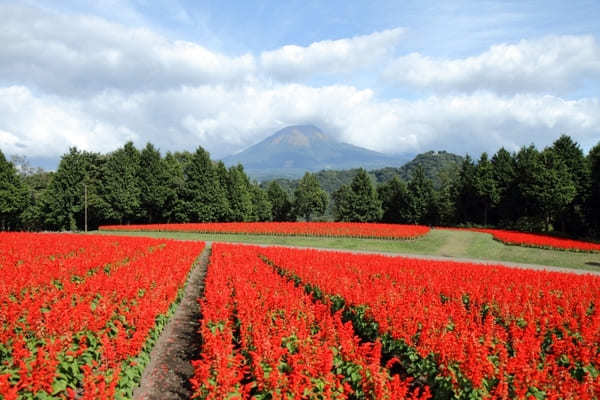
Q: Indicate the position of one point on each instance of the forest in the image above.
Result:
(556, 189)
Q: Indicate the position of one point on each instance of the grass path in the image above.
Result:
(440, 243)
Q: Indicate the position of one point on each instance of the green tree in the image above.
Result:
(572, 218)
(239, 195)
(223, 179)
(593, 198)
(395, 201)
(122, 186)
(545, 186)
(13, 196)
(61, 205)
(465, 191)
(174, 209)
(280, 202)
(261, 206)
(342, 203)
(485, 186)
(310, 199)
(153, 184)
(503, 166)
(204, 198)
(358, 202)
(422, 204)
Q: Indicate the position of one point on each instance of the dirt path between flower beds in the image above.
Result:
(168, 373)
(438, 258)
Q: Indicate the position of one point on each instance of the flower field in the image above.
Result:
(287, 345)
(536, 240)
(78, 314)
(332, 229)
(458, 330)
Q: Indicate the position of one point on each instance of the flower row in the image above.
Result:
(335, 229)
(77, 313)
(479, 331)
(263, 337)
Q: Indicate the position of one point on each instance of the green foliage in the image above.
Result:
(593, 208)
(358, 202)
(421, 201)
(61, 205)
(154, 193)
(14, 197)
(485, 186)
(122, 184)
(238, 192)
(204, 199)
(572, 217)
(261, 206)
(280, 202)
(395, 201)
(310, 199)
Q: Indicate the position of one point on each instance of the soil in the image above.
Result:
(168, 373)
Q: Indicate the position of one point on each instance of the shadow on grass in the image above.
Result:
(593, 264)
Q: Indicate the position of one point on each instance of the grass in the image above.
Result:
(455, 244)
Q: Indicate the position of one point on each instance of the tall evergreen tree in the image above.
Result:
(527, 167)
(238, 191)
(122, 189)
(310, 199)
(62, 203)
(261, 206)
(421, 199)
(358, 202)
(205, 199)
(13, 196)
(342, 203)
(504, 176)
(153, 179)
(485, 186)
(280, 202)
(593, 202)
(395, 201)
(465, 191)
(572, 218)
(545, 187)
(223, 179)
(174, 209)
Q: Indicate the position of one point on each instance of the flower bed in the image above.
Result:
(334, 229)
(79, 314)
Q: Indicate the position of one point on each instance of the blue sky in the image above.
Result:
(397, 77)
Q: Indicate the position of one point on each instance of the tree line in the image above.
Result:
(555, 189)
(132, 186)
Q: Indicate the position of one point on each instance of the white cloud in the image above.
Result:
(224, 120)
(48, 126)
(82, 81)
(552, 63)
(80, 55)
(330, 56)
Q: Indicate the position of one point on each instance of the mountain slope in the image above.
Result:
(294, 150)
(433, 164)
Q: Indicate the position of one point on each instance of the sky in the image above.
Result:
(400, 77)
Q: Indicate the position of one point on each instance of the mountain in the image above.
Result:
(434, 164)
(293, 150)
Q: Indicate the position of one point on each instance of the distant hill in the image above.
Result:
(433, 163)
(293, 150)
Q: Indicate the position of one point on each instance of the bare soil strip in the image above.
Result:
(168, 373)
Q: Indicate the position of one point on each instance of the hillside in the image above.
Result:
(433, 163)
(293, 150)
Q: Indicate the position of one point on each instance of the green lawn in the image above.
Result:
(455, 244)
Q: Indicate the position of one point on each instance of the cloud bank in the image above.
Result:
(79, 80)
